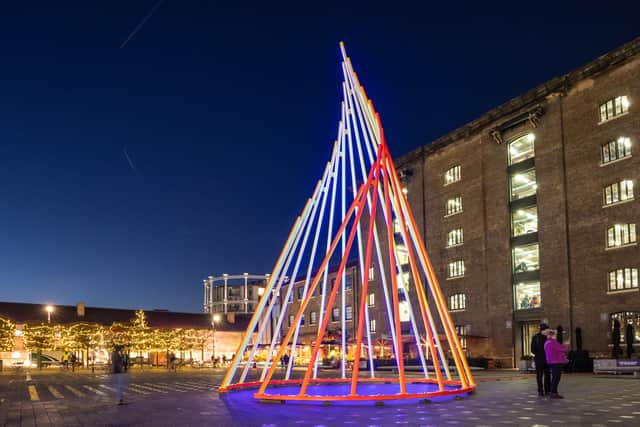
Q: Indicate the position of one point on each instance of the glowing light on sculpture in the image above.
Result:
(358, 210)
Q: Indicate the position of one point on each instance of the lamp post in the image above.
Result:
(49, 309)
(214, 318)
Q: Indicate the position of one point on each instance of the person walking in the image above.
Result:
(119, 375)
(556, 354)
(543, 375)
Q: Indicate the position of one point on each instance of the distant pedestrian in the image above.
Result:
(73, 362)
(556, 359)
(172, 362)
(119, 373)
(125, 361)
(543, 375)
(224, 360)
(285, 359)
(65, 360)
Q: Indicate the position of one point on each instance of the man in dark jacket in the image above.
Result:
(119, 373)
(542, 370)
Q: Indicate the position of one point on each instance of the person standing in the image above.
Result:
(119, 375)
(556, 359)
(543, 376)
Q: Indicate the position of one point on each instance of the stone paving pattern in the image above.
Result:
(189, 398)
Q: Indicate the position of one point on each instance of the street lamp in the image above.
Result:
(49, 309)
(214, 319)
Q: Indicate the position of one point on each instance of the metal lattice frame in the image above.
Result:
(361, 171)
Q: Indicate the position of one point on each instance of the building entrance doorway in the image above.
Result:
(528, 330)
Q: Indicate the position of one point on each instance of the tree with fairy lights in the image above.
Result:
(38, 338)
(140, 334)
(7, 332)
(84, 337)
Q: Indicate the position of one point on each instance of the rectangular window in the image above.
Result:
(623, 278)
(524, 221)
(452, 175)
(613, 108)
(397, 226)
(372, 274)
(372, 300)
(454, 205)
(526, 258)
(348, 313)
(335, 314)
(403, 281)
(290, 320)
(455, 237)
(302, 320)
(618, 192)
(300, 292)
(348, 282)
(461, 331)
(621, 235)
(523, 184)
(313, 318)
(615, 150)
(372, 325)
(521, 149)
(527, 295)
(457, 302)
(456, 269)
(402, 254)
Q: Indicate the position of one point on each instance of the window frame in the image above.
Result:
(621, 145)
(451, 212)
(510, 161)
(617, 187)
(457, 302)
(335, 314)
(452, 175)
(608, 110)
(348, 313)
(456, 269)
(631, 231)
(458, 233)
(614, 286)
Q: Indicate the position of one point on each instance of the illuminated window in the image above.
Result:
(452, 175)
(461, 331)
(397, 226)
(348, 313)
(521, 149)
(526, 258)
(372, 325)
(622, 279)
(618, 192)
(290, 320)
(372, 300)
(402, 280)
(455, 237)
(527, 295)
(313, 318)
(456, 269)
(300, 292)
(615, 150)
(524, 221)
(454, 205)
(523, 184)
(372, 272)
(621, 235)
(403, 308)
(627, 318)
(402, 254)
(457, 302)
(335, 314)
(613, 108)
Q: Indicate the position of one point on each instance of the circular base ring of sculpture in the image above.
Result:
(413, 386)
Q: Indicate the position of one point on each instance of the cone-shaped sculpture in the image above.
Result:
(358, 214)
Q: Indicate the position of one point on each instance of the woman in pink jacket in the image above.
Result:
(556, 359)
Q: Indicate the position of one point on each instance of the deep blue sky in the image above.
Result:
(228, 116)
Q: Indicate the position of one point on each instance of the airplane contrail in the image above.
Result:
(142, 22)
(133, 168)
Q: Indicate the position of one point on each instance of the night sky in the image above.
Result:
(128, 174)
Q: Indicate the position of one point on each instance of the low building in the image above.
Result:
(229, 330)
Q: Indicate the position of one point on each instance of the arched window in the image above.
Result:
(521, 148)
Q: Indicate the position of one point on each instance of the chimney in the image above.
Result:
(231, 317)
(80, 309)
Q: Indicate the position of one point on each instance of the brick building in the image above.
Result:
(530, 209)
(530, 216)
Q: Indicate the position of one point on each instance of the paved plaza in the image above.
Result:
(160, 398)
